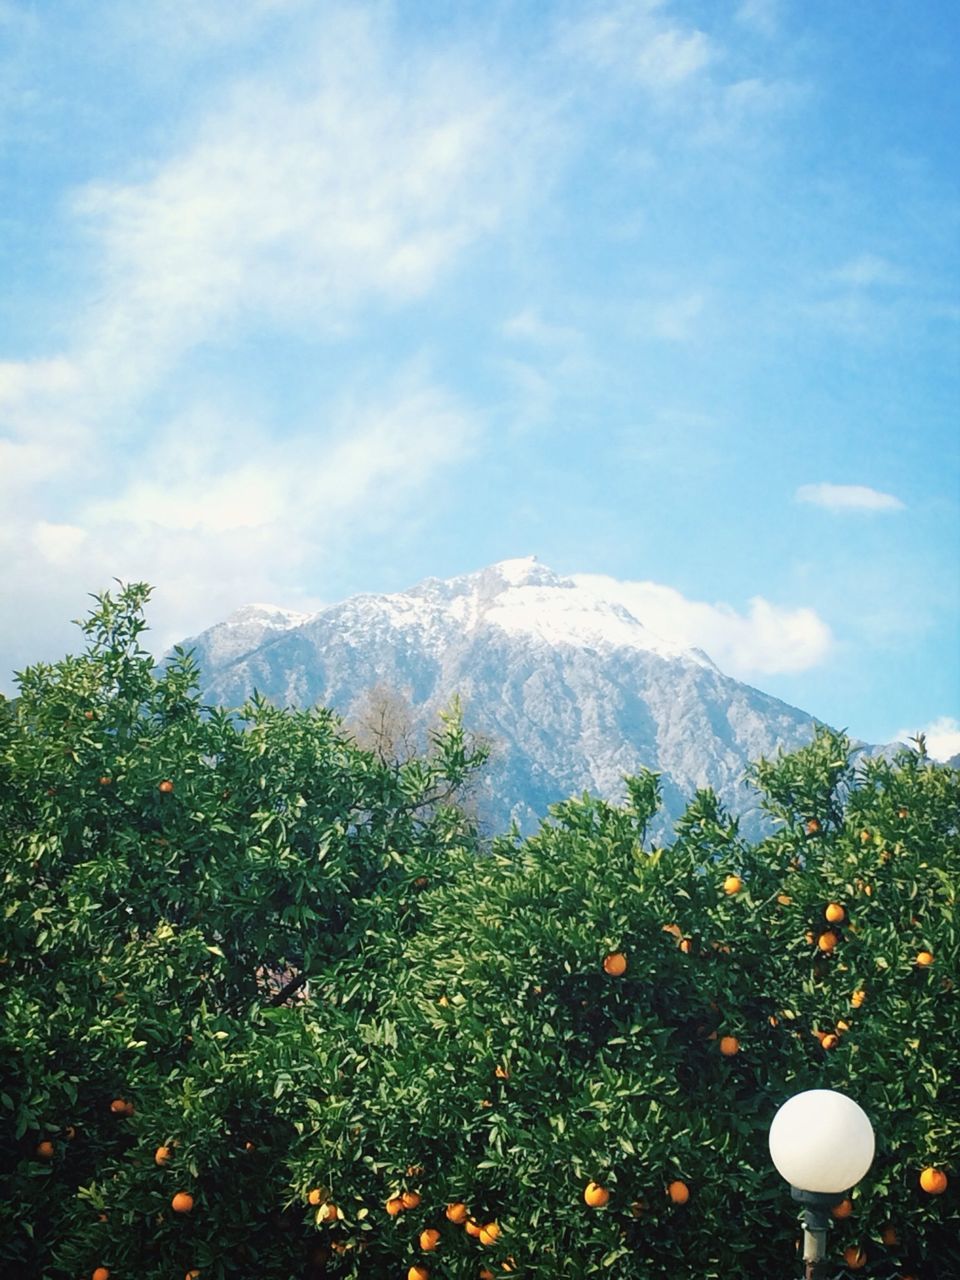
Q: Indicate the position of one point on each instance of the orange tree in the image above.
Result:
(587, 1044)
(173, 880)
(553, 1057)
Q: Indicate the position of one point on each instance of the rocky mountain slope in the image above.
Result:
(573, 690)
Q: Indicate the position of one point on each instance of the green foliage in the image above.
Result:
(304, 974)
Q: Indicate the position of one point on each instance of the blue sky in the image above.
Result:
(299, 300)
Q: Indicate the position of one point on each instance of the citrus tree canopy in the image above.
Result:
(268, 1008)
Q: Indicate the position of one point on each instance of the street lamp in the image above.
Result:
(822, 1143)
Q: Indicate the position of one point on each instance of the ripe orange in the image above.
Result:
(678, 1192)
(485, 1274)
(182, 1202)
(249, 1146)
(106, 780)
(394, 1206)
(686, 945)
(162, 1156)
(457, 1212)
(88, 715)
(502, 1073)
(889, 1235)
(674, 929)
(729, 1046)
(192, 1275)
(328, 1212)
(903, 812)
(418, 1272)
(166, 786)
(490, 1233)
(784, 899)
(827, 941)
(858, 998)
(812, 826)
(865, 837)
(410, 1199)
(615, 964)
(835, 913)
(429, 1239)
(472, 1227)
(854, 1257)
(100, 1273)
(933, 1181)
(732, 885)
(118, 1107)
(842, 1026)
(924, 958)
(830, 1041)
(315, 1196)
(44, 1150)
(809, 937)
(595, 1195)
(843, 1209)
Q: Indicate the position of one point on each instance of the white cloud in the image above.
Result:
(942, 735)
(865, 270)
(641, 44)
(847, 497)
(767, 640)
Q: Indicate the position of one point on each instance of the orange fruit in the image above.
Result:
(166, 786)
(835, 913)
(858, 998)
(903, 812)
(732, 885)
(933, 1181)
(100, 1273)
(827, 941)
(182, 1202)
(118, 1107)
(418, 1272)
(328, 1212)
(843, 1209)
(44, 1150)
(842, 1026)
(729, 1046)
(410, 1199)
(490, 1233)
(485, 1274)
(509, 1264)
(502, 1073)
(809, 937)
(394, 1206)
(854, 1257)
(457, 1212)
(106, 780)
(249, 1146)
(162, 1156)
(595, 1195)
(686, 945)
(315, 1196)
(674, 929)
(830, 1041)
(773, 1020)
(472, 1227)
(615, 964)
(678, 1192)
(865, 837)
(192, 1275)
(924, 958)
(784, 899)
(429, 1239)
(889, 1235)
(811, 826)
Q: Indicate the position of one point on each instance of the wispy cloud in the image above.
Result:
(641, 43)
(942, 736)
(848, 497)
(766, 640)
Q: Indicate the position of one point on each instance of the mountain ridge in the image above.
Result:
(574, 691)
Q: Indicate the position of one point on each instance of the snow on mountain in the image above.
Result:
(573, 690)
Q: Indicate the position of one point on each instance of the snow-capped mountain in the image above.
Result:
(573, 690)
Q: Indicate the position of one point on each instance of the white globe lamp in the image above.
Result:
(822, 1142)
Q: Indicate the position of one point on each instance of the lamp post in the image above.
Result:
(822, 1142)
